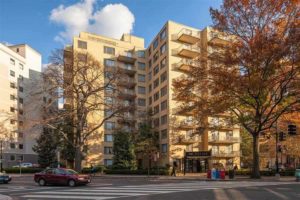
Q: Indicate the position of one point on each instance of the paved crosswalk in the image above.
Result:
(111, 192)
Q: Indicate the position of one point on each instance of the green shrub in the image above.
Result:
(23, 170)
(247, 172)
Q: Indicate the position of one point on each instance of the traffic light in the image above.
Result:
(292, 129)
(282, 136)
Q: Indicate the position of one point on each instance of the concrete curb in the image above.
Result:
(3, 197)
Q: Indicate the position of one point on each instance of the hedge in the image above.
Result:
(23, 170)
(137, 171)
(265, 173)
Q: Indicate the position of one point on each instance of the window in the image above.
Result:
(156, 109)
(163, 49)
(129, 54)
(141, 66)
(109, 125)
(21, 66)
(21, 146)
(163, 91)
(141, 54)
(108, 113)
(163, 105)
(141, 90)
(12, 73)
(82, 57)
(12, 157)
(109, 63)
(156, 96)
(12, 61)
(20, 135)
(162, 63)
(108, 162)
(156, 83)
(108, 137)
(21, 123)
(156, 122)
(141, 102)
(109, 50)
(163, 77)
(12, 121)
(150, 100)
(149, 51)
(12, 85)
(150, 87)
(12, 145)
(164, 148)
(149, 76)
(150, 63)
(155, 43)
(21, 158)
(21, 100)
(21, 89)
(108, 150)
(163, 34)
(109, 88)
(12, 109)
(12, 97)
(128, 66)
(18, 50)
(164, 119)
(109, 100)
(164, 134)
(21, 112)
(141, 78)
(155, 57)
(82, 44)
(21, 77)
(155, 70)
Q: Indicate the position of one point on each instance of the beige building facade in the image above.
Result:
(148, 85)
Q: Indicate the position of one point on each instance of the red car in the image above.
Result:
(60, 176)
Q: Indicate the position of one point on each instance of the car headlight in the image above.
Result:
(82, 179)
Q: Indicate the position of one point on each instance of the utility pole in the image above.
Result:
(1, 157)
(276, 162)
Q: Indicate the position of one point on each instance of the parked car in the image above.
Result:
(24, 165)
(4, 178)
(61, 176)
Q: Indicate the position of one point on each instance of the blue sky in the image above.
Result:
(34, 22)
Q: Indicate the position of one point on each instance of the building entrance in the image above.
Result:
(196, 162)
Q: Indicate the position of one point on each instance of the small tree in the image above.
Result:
(123, 149)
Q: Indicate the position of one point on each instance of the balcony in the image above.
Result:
(127, 119)
(187, 51)
(127, 94)
(185, 140)
(128, 69)
(187, 125)
(126, 57)
(188, 36)
(225, 154)
(223, 140)
(185, 65)
(126, 82)
(182, 111)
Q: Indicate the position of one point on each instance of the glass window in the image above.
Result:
(141, 102)
(12, 109)
(12, 145)
(82, 44)
(164, 148)
(155, 43)
(109, 100)
(20, 135)
(108, 150)
(108, 162)
(21, 112)
(156, 96)
(155, 57)
(109, 63)
(162, 63)
(21, 89)
(150, 100)
(109, 88)
(21, 66)
(12, 61)
(150, 76)
(141, 54)
(108, 113)
(156, 122)
(163, 105)
(12, 85)
(156, 109)
(163, 49)
(150, 87)
(141, 90)
(108, 137)
(149, 51)
(156, 83)
(12, 97)
(128, 66)
(155, 70)
(163, 91)
(21, 146)
(109, 125)
(164, 134)
(12, 73)
(141, 66)
(21, 100)
(150, 63)
(12, 157)
(109, 50)
(163, 77)
(164, 119)
(141, 78)
(163, 34)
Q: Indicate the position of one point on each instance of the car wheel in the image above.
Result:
(42, 182)
(71, 183)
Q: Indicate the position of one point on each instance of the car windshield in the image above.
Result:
(70, 171)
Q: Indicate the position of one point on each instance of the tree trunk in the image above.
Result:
(255, 167)
(78, 159)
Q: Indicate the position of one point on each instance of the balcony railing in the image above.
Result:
(185, 140)
(127, 118)
(224, 140)
(127, 94)
(127, 57)
(185, 65)
(127, 82)
(187, 125)
(225, 154)
(187, 51)
(188, 36)
(182, 111)
(128, 69)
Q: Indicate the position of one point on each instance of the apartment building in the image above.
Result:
(150, 72)
(20, 69)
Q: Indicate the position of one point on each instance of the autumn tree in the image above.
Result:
(87, 88)
(250, 67)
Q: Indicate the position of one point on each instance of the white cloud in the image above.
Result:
(112, 20)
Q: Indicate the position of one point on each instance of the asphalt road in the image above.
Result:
(128, 188)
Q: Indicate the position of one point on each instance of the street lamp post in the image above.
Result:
(1, 157)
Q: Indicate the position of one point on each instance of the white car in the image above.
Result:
(24, 165)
